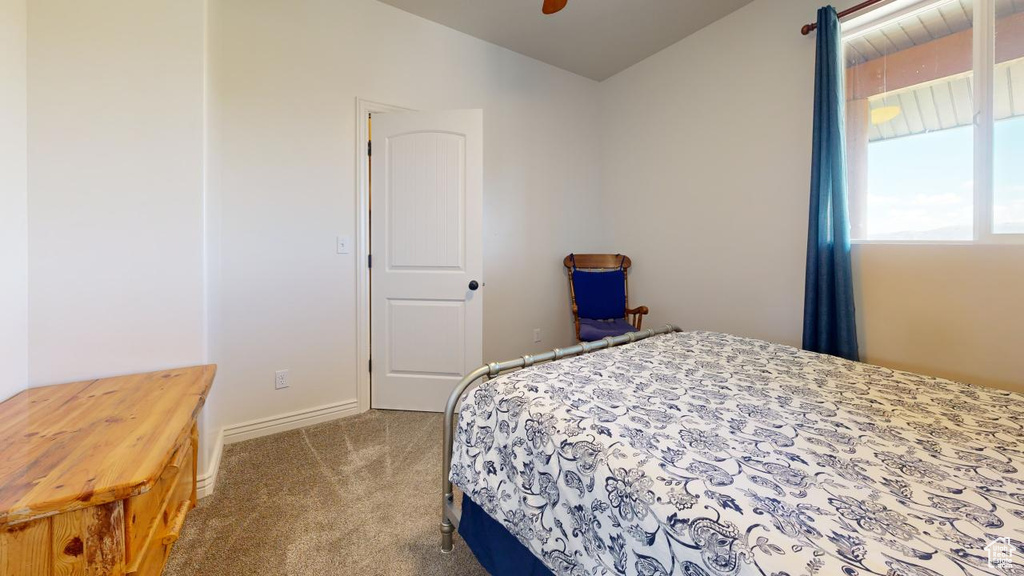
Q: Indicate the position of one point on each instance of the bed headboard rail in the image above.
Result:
(450, 514)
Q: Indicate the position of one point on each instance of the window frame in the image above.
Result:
(984, 61)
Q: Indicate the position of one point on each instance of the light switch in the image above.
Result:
(344, 244)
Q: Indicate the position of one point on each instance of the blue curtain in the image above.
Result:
(829, 321)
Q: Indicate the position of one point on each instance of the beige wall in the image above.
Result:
(706, 163)
(951, 311)
(13, 200)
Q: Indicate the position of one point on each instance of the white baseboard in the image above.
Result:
(206, 480)
(289, 421)
(265, 427)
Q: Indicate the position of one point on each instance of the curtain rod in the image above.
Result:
(809, 27)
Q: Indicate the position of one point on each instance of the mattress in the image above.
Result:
(701, 453)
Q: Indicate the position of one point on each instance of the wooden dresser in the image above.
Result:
(96, 477)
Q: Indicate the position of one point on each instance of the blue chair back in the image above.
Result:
(600, 295)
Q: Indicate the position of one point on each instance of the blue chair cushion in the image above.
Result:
(591, 330)
(600, 295)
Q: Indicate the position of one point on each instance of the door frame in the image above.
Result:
(364, 108)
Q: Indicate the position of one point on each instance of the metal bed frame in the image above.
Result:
(450, 514)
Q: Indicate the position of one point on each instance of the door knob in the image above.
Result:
(473, 285)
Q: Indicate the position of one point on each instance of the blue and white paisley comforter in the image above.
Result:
(702, 453)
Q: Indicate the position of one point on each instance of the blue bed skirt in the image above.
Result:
(498, 551)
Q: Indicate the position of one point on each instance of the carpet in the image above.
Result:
(360, 495)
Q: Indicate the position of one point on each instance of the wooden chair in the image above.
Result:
(601, 296)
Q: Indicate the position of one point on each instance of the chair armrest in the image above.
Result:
(638, 316)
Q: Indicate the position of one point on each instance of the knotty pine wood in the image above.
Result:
(89, 541)
(150, 515)
(80, 461)
(25, 549)
(77, 445)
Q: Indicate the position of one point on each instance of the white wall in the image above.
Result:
(284, 78)
(702, 153)
(192, 162)
(706, 163)
(13, 200)
(115, 100)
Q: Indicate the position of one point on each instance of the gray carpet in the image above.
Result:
(360, 495)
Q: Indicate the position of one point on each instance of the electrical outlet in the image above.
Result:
(536, 334)
(280, 379)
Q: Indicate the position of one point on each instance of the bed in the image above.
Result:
(700, 453)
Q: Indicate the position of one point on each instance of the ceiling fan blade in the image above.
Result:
(552, 6)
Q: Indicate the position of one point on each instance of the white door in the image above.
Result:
(427, 263)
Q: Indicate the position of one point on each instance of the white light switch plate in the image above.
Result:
(344, 244)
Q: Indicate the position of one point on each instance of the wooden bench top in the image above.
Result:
(88, 443)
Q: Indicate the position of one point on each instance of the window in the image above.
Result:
(935, 121)
(1008, 149)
